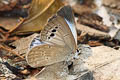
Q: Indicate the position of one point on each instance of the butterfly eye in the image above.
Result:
(54, 30)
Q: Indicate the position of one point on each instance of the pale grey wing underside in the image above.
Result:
(46, 54)
(58, 32)
(55, 43)
(67, 13)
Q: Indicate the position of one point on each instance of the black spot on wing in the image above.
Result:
(48, 37)
(52, 35)
(54, 30)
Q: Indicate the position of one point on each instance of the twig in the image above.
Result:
(21, 21)
(10, 50)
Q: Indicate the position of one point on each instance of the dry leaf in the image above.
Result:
(92, 32)
(40, 12)
(8, 23)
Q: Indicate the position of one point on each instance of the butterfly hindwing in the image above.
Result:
(46, 54)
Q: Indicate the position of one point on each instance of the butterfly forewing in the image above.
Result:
(68, 36)
(67, 13)
(62, 33)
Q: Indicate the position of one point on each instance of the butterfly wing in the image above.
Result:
(67, 14)
(56, 44)
(46, 54)
(58, 33)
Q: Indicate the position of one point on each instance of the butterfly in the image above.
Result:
(57, 42)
